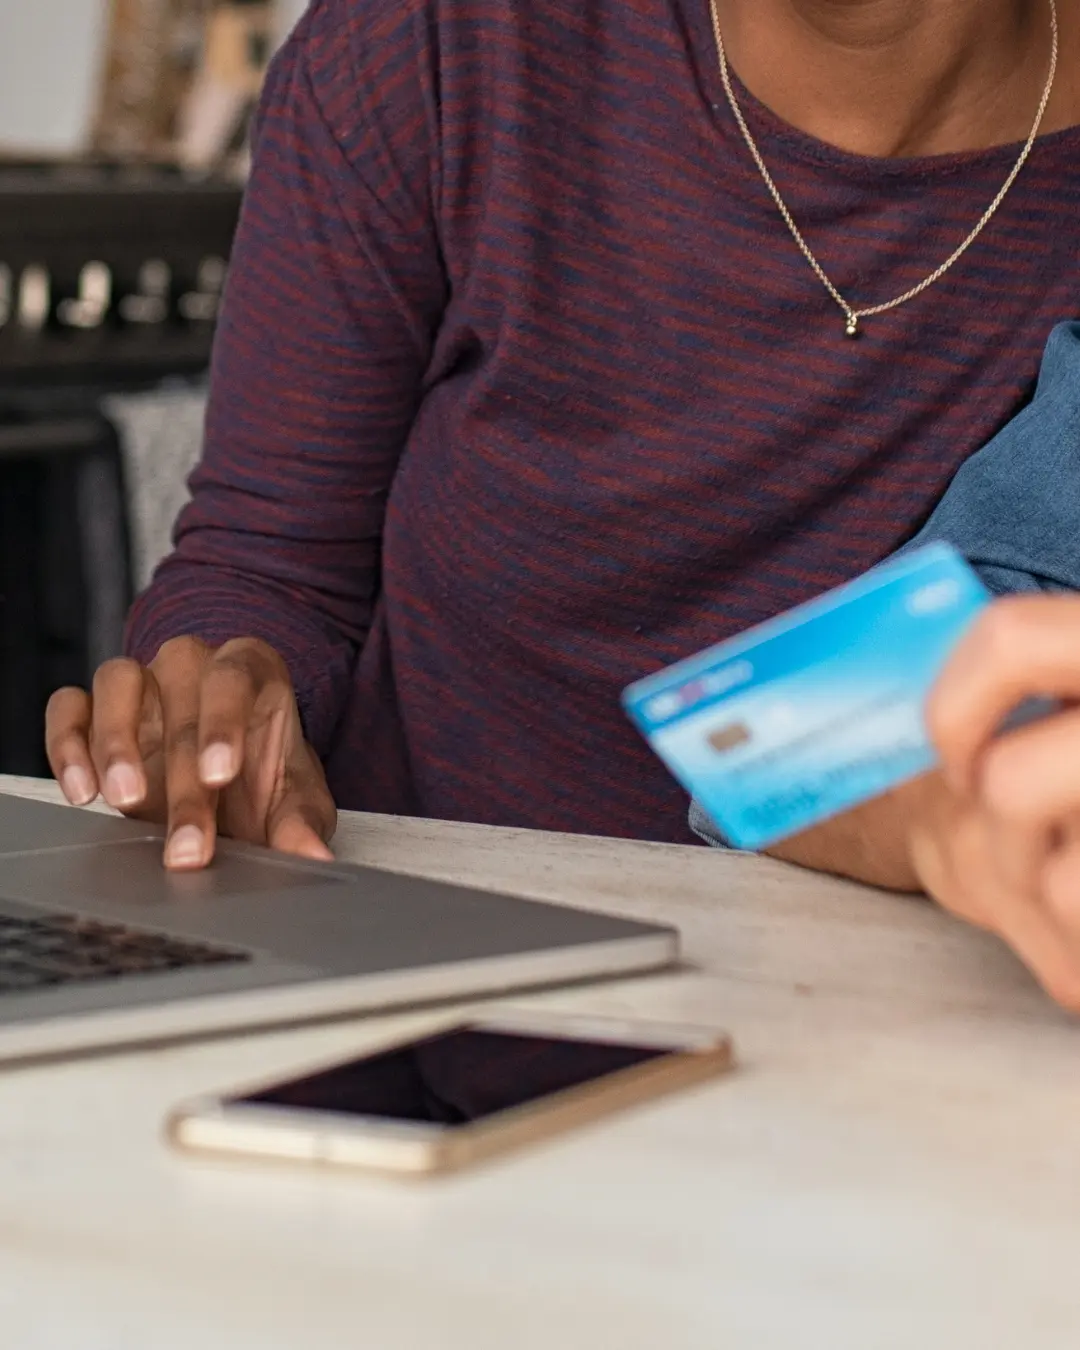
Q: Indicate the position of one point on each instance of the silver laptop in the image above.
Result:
(100, 947)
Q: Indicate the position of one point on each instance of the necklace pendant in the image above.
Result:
(851, 328)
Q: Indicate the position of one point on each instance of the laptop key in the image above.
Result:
(66, 949)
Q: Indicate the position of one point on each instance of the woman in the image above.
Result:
(564, 340)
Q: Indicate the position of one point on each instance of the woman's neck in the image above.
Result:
(906, 77)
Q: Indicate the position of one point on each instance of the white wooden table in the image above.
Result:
(896, 1163)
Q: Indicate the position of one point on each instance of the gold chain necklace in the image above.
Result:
(854, 315)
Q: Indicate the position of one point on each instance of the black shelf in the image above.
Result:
(55, 220)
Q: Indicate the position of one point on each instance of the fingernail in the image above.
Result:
(78, 786)
(123, 785)
(185, 848)
(217, 764)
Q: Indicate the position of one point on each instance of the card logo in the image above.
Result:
(710, 685)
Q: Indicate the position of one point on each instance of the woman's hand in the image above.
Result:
(999, 844)
(203, 739)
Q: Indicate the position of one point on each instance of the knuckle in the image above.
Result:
(64, 705)
(189, 810)
(256, 656)
(68, 694)
(233, 661)
(120, 672)
(243, 648)
(183, 738)
(231, 676)
(106, 749)
(66, 749)
(70, 746)
(182, 650)
(1005, 788)
(112, 737)
(1000, 629)
(64, 741)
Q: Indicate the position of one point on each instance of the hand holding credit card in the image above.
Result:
(817, 710)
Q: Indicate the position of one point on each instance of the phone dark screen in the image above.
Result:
(456, 1077)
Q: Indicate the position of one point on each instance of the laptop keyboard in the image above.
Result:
(58, 949)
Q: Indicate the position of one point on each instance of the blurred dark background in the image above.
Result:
(123, 152)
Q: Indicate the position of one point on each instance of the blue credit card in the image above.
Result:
(817, 710)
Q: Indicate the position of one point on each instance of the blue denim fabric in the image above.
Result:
(1013, 509)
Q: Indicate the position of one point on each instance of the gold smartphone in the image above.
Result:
(453, 1098)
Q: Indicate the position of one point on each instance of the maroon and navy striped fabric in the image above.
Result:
(522, 389)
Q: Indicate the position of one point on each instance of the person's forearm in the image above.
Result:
(871, 843)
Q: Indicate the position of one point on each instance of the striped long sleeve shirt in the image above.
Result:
(522, 390)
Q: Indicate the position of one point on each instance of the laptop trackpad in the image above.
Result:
(129, 875)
